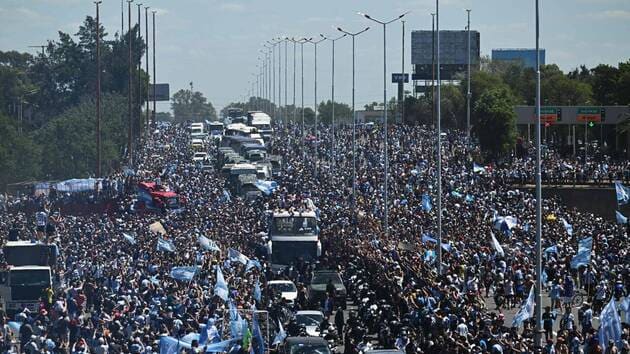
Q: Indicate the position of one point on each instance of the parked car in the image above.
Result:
(305, 345)
(285, 288)
(310, 320)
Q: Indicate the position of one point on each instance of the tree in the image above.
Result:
(68, 144)
(343, 112)
(496, 125)
(19, 156)
(188, 105)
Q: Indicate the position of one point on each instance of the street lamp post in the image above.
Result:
(538, 288)
(333, 40)
(295, 42)
(138, 67)
(384, 24)
(468, 94)
(146, 64)
(154, 79)
(130, 93)
(302, 41)
(315, 43)
(354, 121)
(439, 137)
(98, 91)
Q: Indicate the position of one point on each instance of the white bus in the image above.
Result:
(293, 235)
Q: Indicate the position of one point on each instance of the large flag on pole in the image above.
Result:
(567, 226)
(208, 244)
(236, 256)
(623, 193)
(526, 311)
(184, 273)
(497, 245)
(165, 245)
(426, 203)
(610, 325)
(221, 288)
(583, 256)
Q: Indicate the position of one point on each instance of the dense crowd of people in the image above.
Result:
(118, 297)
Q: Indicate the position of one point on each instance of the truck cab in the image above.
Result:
(23, 286)
(157, 197)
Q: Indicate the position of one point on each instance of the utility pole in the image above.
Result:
(98, 91)
(130, 93)
(122, 19)
(146, 38)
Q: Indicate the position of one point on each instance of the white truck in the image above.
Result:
(27, 275)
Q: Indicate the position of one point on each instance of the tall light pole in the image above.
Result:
(333, 40)
(273, 76)
(384, 24)
(138, 68)
(98, 90)
(295, 42)
(146, 65)
(315, 43)
(468, 94)
(538, 288)
(432, 69)
(439, 137)
(130, 93)
(286, 42)
(154, 79)
(354, 122)
(402, 104)
(302, 41)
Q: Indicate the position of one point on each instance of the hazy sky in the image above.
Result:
(215, 43)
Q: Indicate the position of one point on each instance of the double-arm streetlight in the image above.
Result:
(384, 24)
(315, 43)
(354, 119)
(333, 40)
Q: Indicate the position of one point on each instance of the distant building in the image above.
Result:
(524, 56)
(453, 53)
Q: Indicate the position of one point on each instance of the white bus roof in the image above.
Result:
(244, 165)
(286, 214)
(29, 267)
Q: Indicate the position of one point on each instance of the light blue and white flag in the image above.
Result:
(267, 187)
(207, 244)
(280, 336)
(457, 194)
(429, 256)
(583, 256)
(251, 263)
(526, 227)
(552, 249)
(221, 347)
(610, 325)
(184, 273)
(478, 169)
(221, 288)
(171, 345)
(129, 238)
(621, 219)
(426, 238)
(210, 333)
(526, 311)
(257, 292)
(567, 226)
(236, 256)
(623, 193)
(426, 203)
(497, 245)
(469, 198)
(165, 245)
(446, 246)
(258, 342)
(543, 277)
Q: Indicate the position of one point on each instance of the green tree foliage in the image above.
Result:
(68, 140)
(343, 112)
(189, 105)
(19, 156)
(496, 127)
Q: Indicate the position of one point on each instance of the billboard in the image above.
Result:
(398, 78)
(161, 92)
(453, 53)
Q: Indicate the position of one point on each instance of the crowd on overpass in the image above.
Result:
(117, 297)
